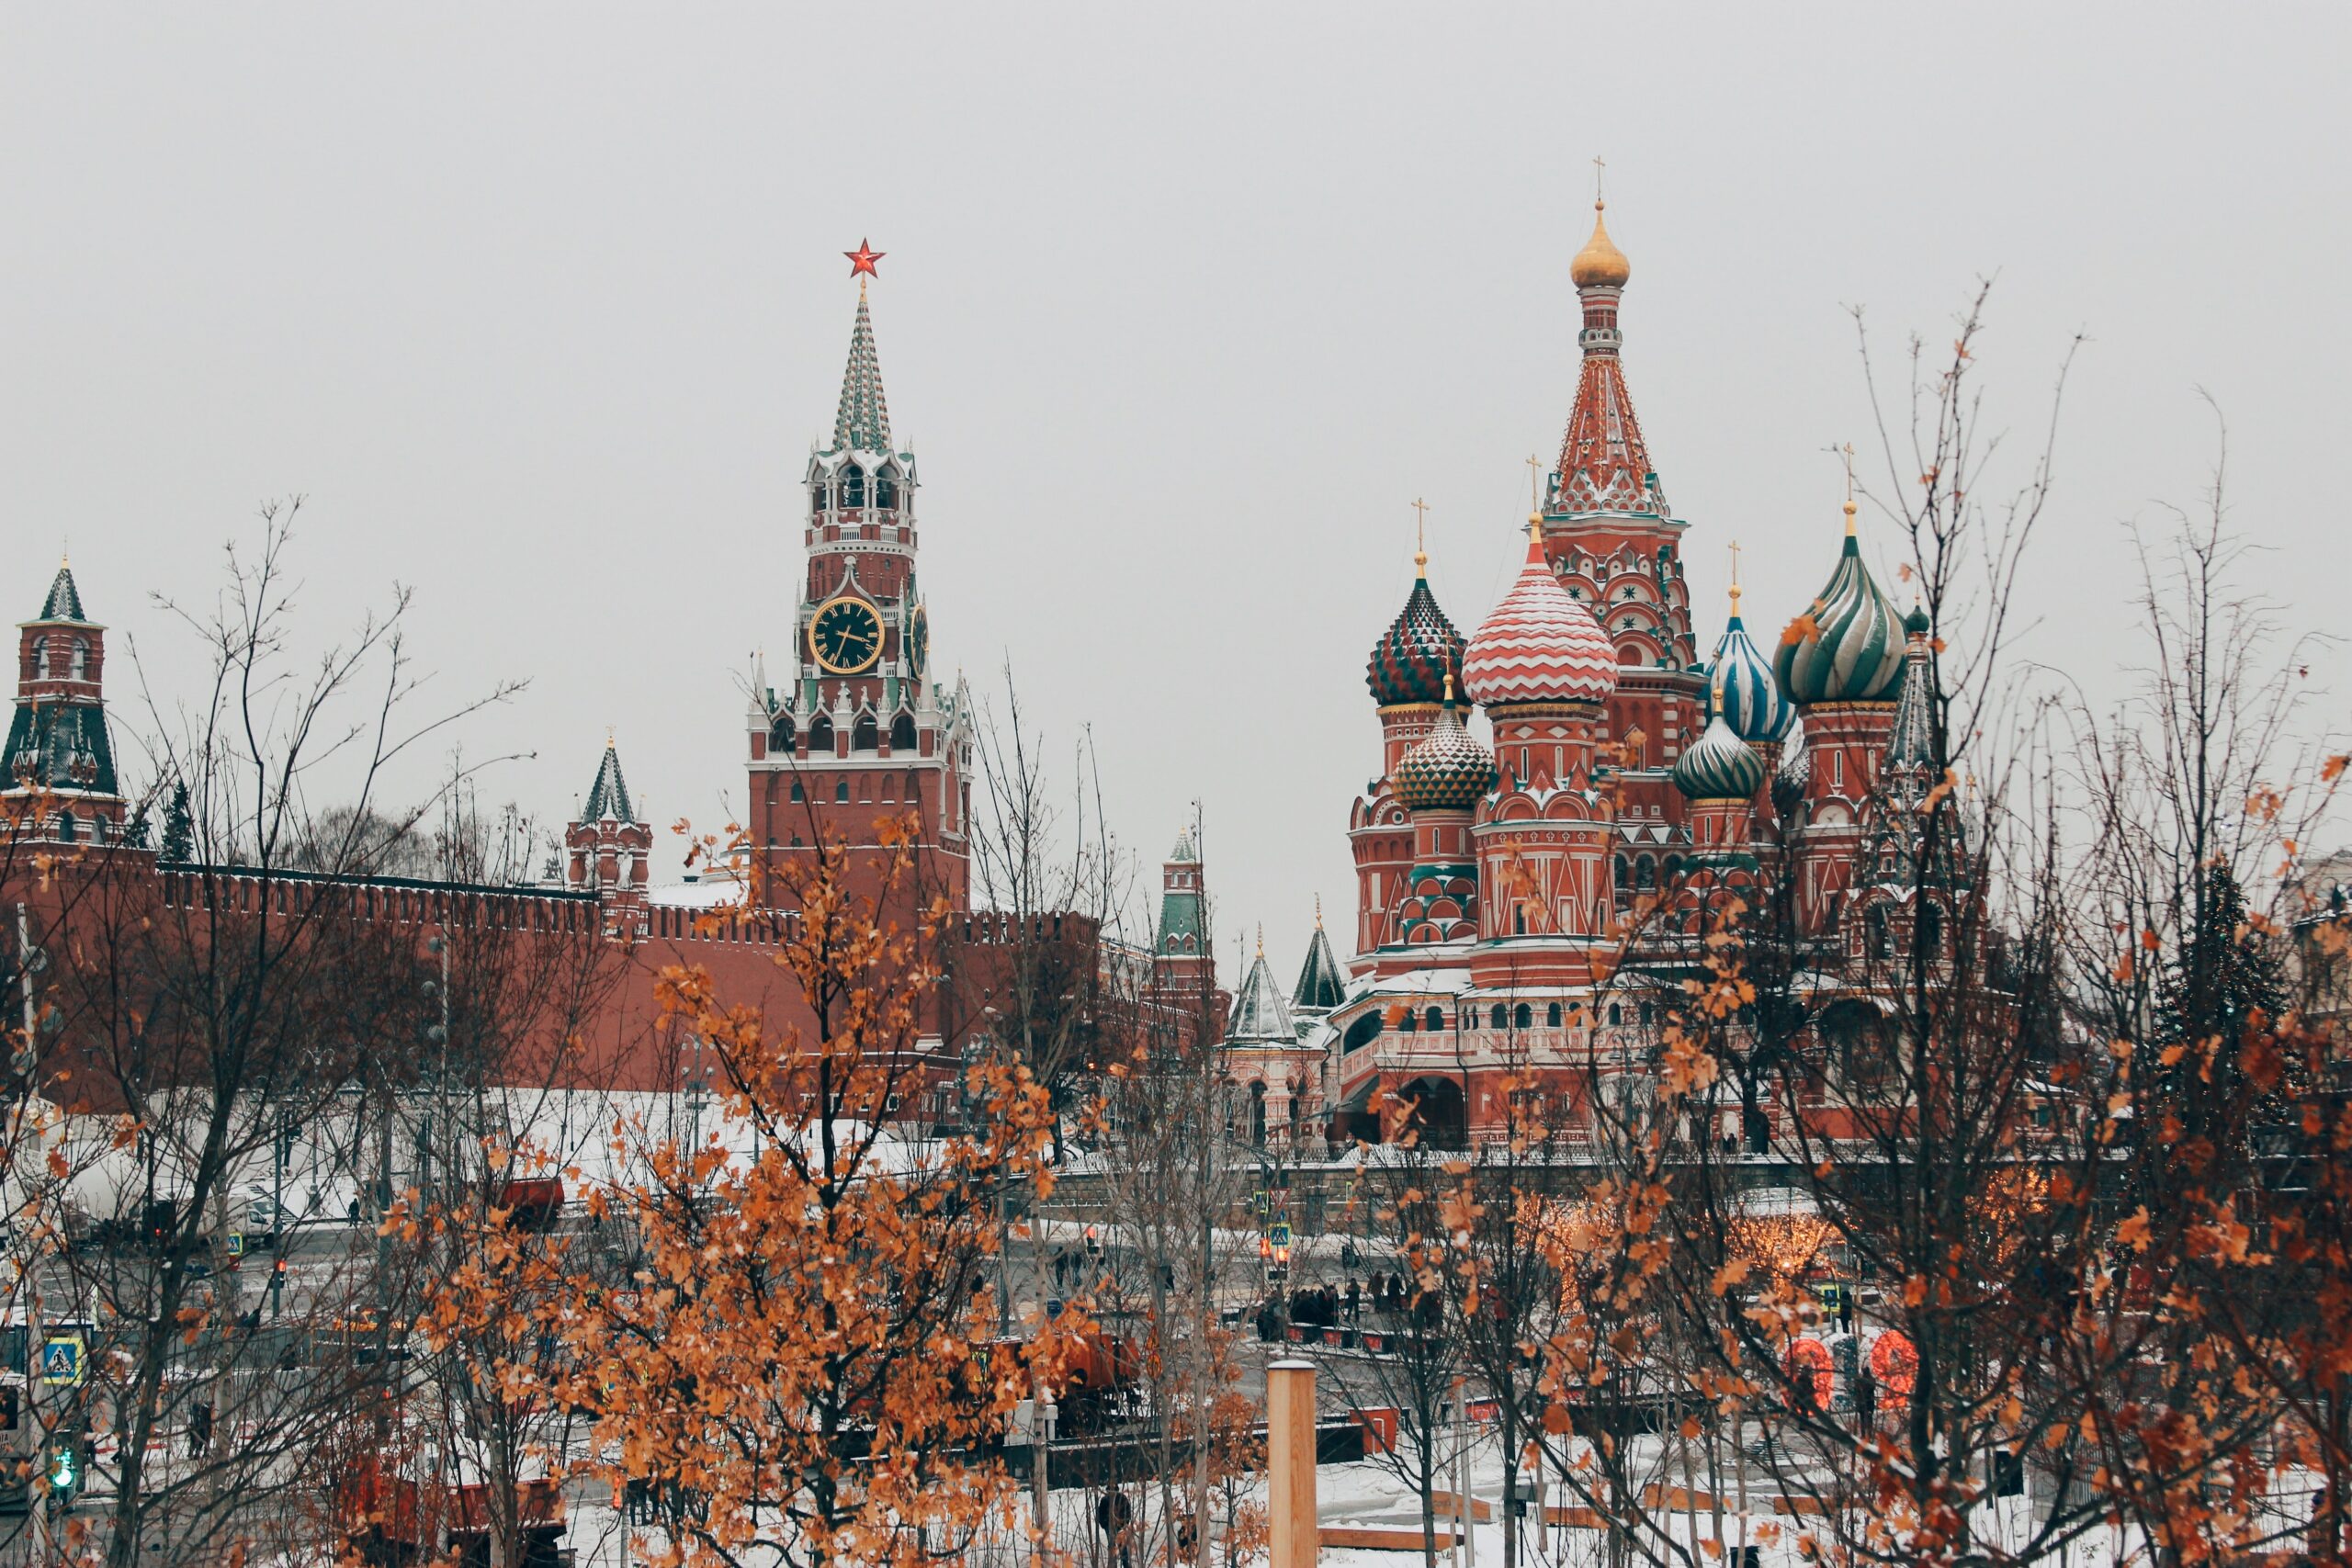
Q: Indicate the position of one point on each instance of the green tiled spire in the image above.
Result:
(64, 600)
(608, 796)
(864, 422)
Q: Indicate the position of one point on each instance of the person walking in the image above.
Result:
(1355, 1302)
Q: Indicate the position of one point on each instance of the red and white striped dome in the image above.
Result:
(1539, 645)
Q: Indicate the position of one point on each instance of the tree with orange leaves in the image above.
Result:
(796, 1368)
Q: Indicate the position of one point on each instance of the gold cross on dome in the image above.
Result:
(1598, 167)
(1535, 484)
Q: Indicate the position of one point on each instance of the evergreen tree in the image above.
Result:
(179, 828)
(136, 834)
(2225, 971)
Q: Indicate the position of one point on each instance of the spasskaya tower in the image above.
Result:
(853, 729)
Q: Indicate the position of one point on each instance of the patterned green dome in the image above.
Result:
(1720, 766)
(1848, 648)
(1414, 656)
(1448, 771)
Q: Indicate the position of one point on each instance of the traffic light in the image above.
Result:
(67, 1461)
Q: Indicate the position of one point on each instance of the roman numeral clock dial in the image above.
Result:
(845, 636)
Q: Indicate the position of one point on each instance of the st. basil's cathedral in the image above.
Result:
(1507, 887)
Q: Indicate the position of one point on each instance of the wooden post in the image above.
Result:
(1290, 1461)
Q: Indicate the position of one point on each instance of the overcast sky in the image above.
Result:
(541, 306)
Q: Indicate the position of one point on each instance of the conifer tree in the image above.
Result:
(2224, 973)
(179, 828)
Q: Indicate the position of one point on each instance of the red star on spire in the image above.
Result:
(862, 259)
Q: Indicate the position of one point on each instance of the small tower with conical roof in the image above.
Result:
(1183, 962)
(1911, 860)
(609, 850)
(1322, 984)
(1265, 1059)
(58, 760)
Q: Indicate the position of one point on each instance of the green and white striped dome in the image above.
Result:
(1848, 647)
(1720, 766)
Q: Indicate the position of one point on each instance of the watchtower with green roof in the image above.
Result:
(60, 761)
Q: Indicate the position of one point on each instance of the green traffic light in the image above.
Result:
(64, 1472)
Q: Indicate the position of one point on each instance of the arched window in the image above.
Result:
(1495, 1019)
(1644, 872)
(1362, 1033)
(65, 826)
(821, 735)
(1434, 1020)
(1519, 919)
(902, 733)
(1645, 1015)
(864, 734)
(797, 793)
(1931, 930)
(1624, 869)
(1257, 1115)
(1616, 1015)
(1673, 867)
(1552, 1016)
(853, 486)
(886, 489)
(41, 659)
(781, 733)
(1874, 931)
(817, 497)
(1522, 1017)
(840, 792)
(1409, 1021)
(80, 658)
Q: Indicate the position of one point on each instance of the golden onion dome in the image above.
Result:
(1600, 263)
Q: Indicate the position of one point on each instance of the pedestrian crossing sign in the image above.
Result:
(62, 1360)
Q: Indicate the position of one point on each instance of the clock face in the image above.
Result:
(919, 641)
(846, 635)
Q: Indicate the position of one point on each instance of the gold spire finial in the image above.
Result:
(1261, 939)
(1598, 167)
(1535, 528)
(1449, 688)
(1319, 911)
(1849, 450)
(1735, 577)
(609, 738)
(1421, 535)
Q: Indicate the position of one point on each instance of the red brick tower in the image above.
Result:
(1616, 546)
(60, 764)
(856, 730)
(608, 849)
